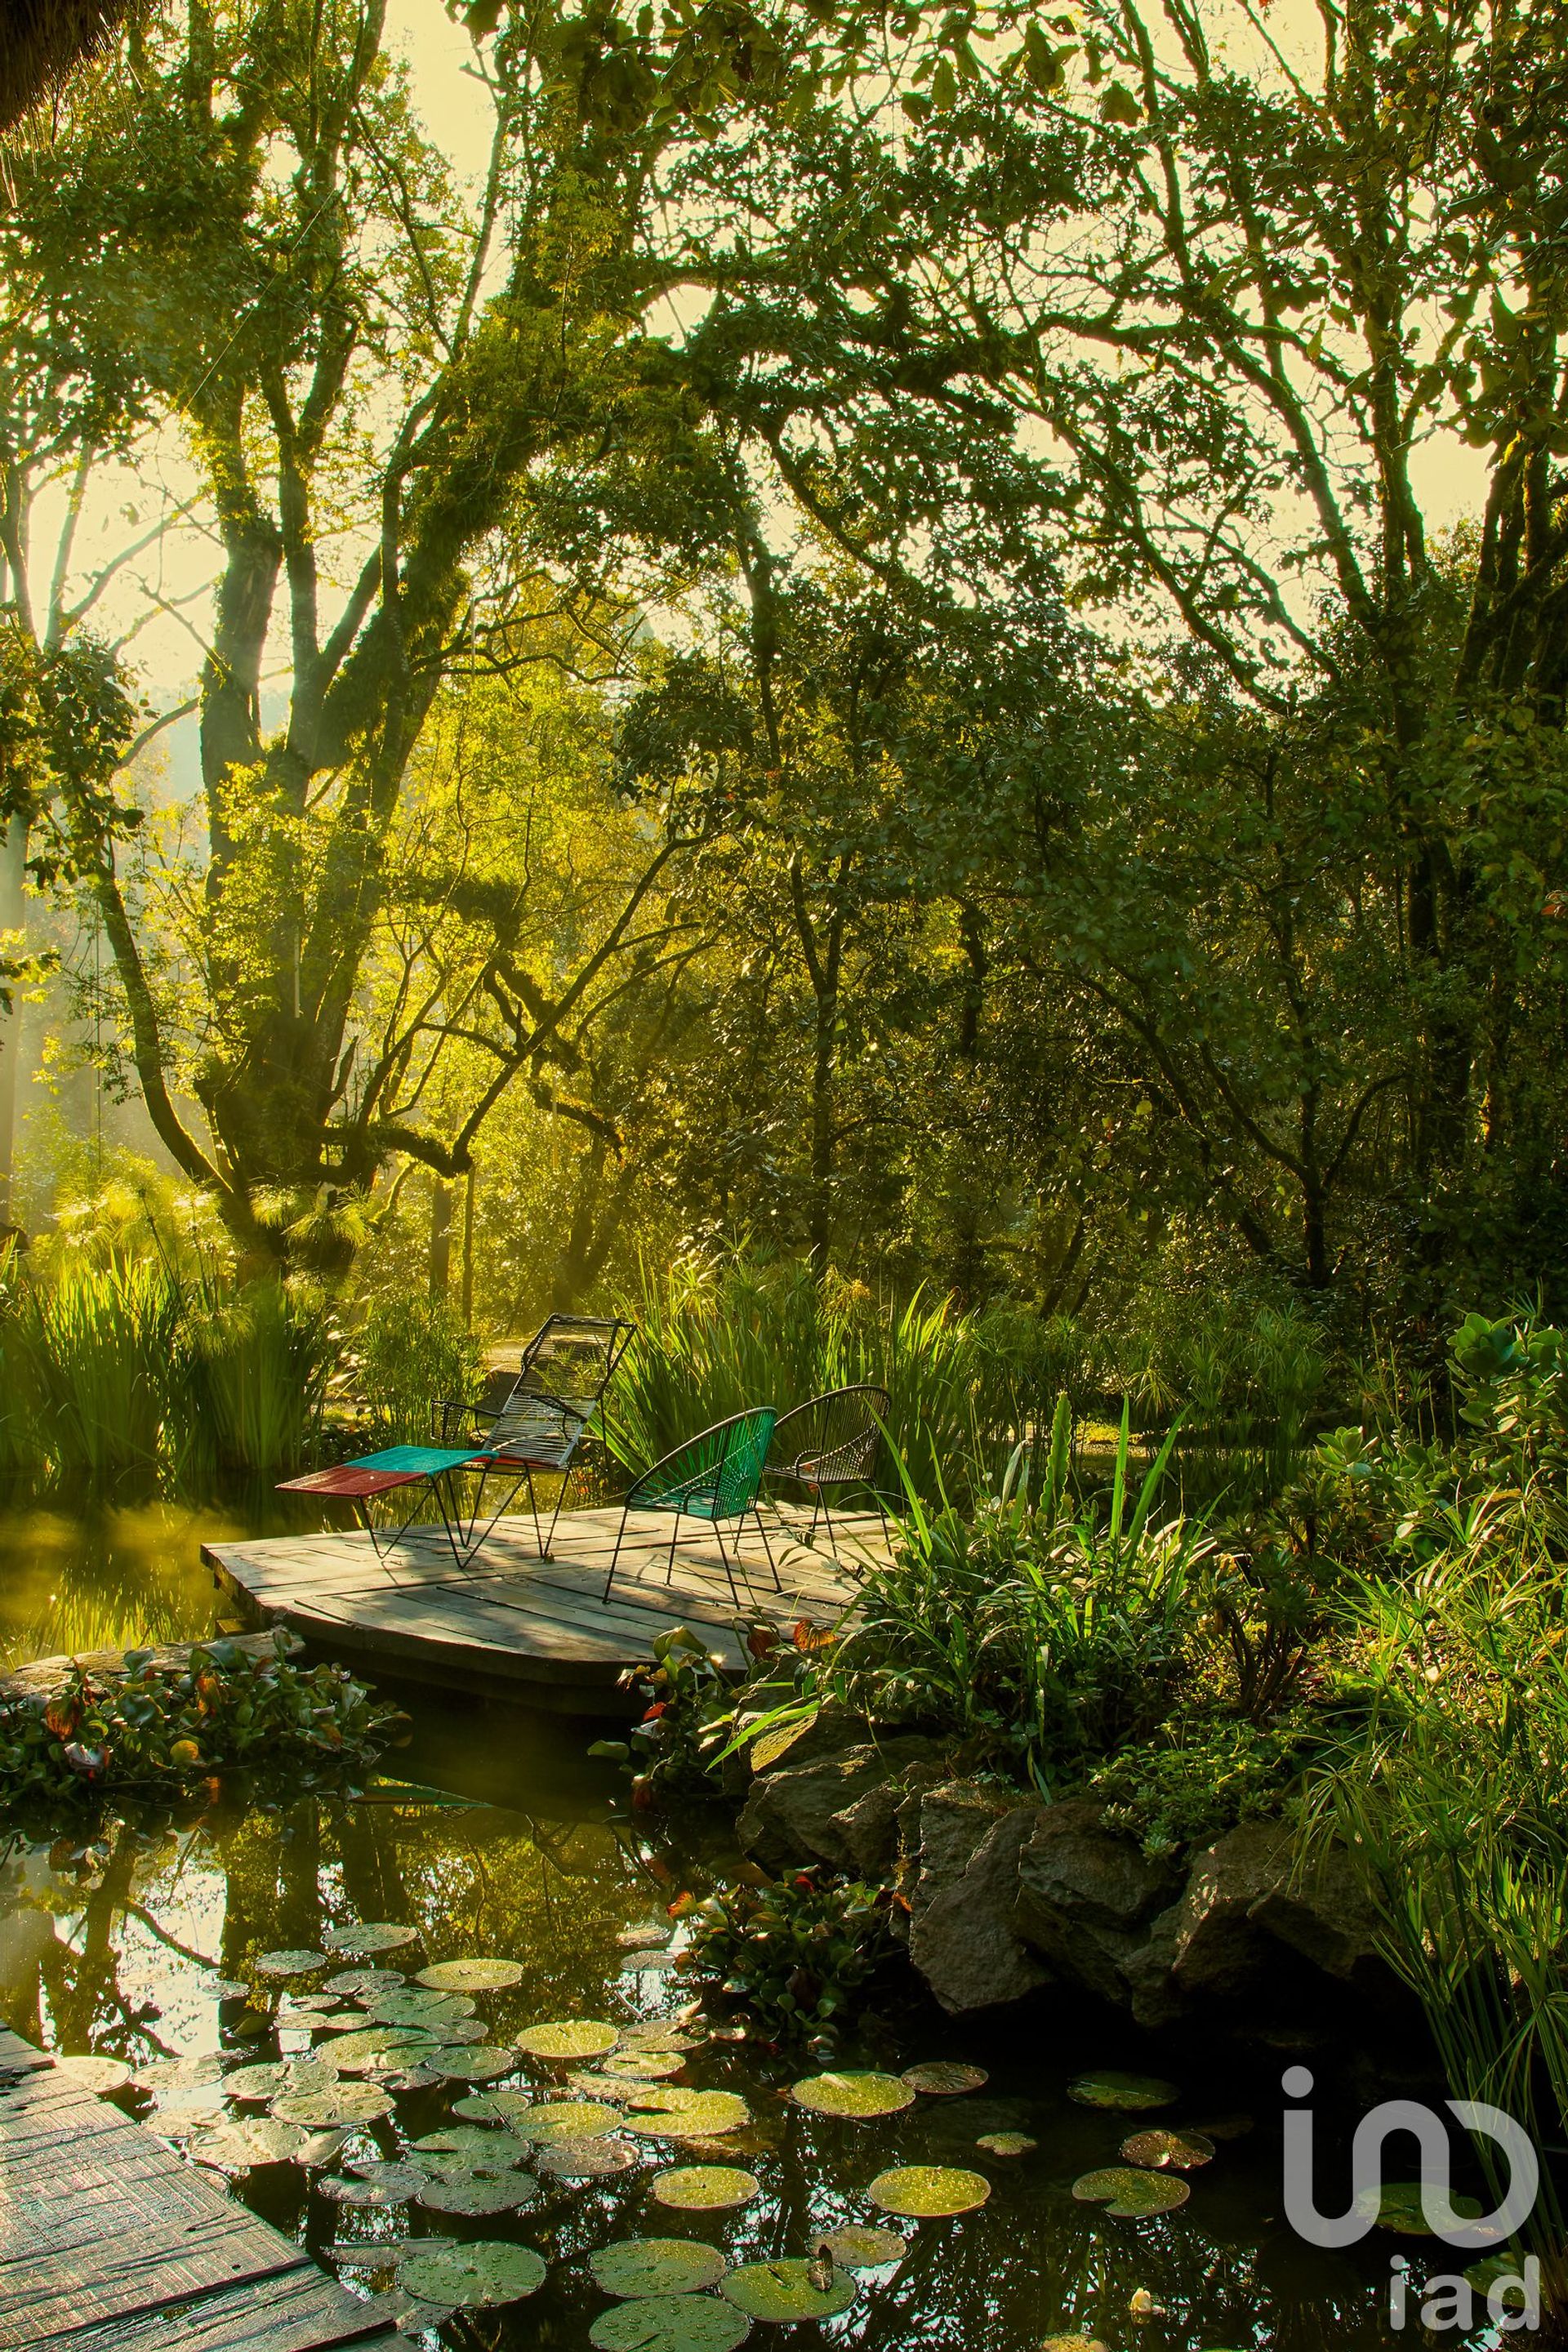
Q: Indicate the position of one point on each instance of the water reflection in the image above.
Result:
(132, 1943)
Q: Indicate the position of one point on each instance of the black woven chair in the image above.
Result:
(537, 1417)
(828, 1444)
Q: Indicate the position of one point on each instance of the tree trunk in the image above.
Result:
(440, 1270)
(13, 918)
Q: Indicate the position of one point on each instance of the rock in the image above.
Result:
(962, 1898)
(791, 1814)
(1243, 1901)
(1084, 1896)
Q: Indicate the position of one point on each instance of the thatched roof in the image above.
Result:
(42, 40)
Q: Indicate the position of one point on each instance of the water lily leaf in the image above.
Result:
(1167, 2151)
(1128, 2195)
(478, 1975)
(480, 2150)
(671, 2323)
(929, 2192)
(862, 2096)
(235, 2148)
(410, 2005)
(1400, 2209)
(642, 2065)
(462, 2278)
(495, 2106)
(356, 2054)
(226, 1988)
(282, 2078)
(855, 2248)
(364, 1984)
(649, 1938)
(336, 2021)
(783, 2290)
(688, 2115)
(1007, 2143)
(482, 2061)
(583, 2160)
(91, 2072)
(1126, 2093)
(944, 2078)
(378, 2185)
(478, 2192)
(370, 1935)
(579, 2037)
(1072, 2344)
(344, 2103)
(568, 2119)
(706, 2188)
(659, 2037)
(290, 1964)
(162, 2074)
(638, 2266)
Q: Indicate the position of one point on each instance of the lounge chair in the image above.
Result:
(830, 1444)
(715, 1477)
(534, 1419)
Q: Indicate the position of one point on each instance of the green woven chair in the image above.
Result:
(714, 1476)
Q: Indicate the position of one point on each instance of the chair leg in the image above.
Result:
(729, 1571)
(827, 1523)
(614, 1556)
(549, 1540)
(674, 1538)
(767, 1548)
(815, 1515)
(533, 1507)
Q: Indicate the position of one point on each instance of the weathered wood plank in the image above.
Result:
(109, 2241)
(508, 1616)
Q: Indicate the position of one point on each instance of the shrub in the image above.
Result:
(793, 1952)
(410, 1353)
(1198, 1779)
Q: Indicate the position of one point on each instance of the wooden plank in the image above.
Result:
(108, 2240)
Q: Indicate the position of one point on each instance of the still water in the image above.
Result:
(498, 1836)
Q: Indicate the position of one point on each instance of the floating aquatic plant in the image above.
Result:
(465, 2278)
(929, 2192)
(706, 2188)
(944, 2078)
(1128, 2195)
(642, 2266)
(862, 2096)
(788, 2290)
(671, 2323)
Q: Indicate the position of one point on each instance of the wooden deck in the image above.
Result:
(534, 1628)
(109, 2242)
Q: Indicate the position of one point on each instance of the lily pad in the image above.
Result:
(377, 2185)
(480, 2062)
(462, 2278)
(642, 2065)
(370, 1935)
(99, 2075)
(281, 2078)
(495, 2106)
(706, 2188)
(659, 2037)
(690, 2115)
(356, 2054)
(855, 2248)
(412, 2005)
(478, 2192)
(478, 2149)
(583, 2160)
(783, 2291)
(364, 1984)
(235, 2148)
(301, 1963)
(862, 2096)
(478, 1975)
(1009, 2144)
(1400, 2209)
(568, 2119)
(161, 2074)
(929, 2192)
(640, 2266)
(1125, 2093)
(1168, 2151)
(944, 2078)
(344, 2103)
(1128, 2195)
(1072, 2344)
(671, 2323)
(649, 1939)
(580, 2037)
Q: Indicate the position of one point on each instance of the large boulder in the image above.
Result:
(1249, 1893)
(961, 1896)
(839, 1806)
(1085, 1898)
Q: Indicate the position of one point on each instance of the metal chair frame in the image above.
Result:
(575, 1415)
(705, 1483)
(842, 1430)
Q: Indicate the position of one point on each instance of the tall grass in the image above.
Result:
(715, 1335)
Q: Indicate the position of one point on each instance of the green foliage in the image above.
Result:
(158, 1727)
(794, 1952)
(409, 1353)
(1200, 1776)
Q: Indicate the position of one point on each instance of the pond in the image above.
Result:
(498, 1835)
